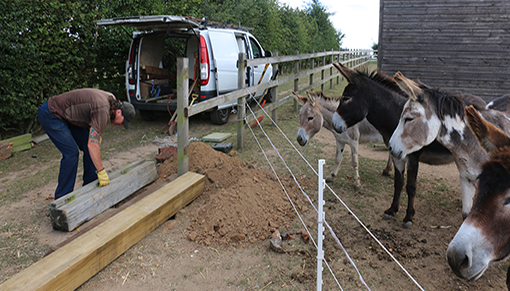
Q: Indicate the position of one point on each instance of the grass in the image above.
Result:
(35, 168)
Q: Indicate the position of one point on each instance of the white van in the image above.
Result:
(211, 48)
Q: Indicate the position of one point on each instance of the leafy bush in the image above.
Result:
(48, 47)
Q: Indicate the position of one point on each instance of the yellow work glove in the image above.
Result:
(102, 176)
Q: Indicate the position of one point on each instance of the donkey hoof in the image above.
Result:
(357, 187)
(408, 224)
(386, 173)
(387, 216)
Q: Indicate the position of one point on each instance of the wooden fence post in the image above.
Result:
(312, 67)
(274, 92)
(322, 71)
(338, 77)
(182, 116)
(296, 82)
(331, 70)
(241, 110)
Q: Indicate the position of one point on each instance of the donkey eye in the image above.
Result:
(408, 119)
(507, 202)
(310, 118)
(346, 99)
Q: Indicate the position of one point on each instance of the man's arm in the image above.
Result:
(95, 149)
(95, 154)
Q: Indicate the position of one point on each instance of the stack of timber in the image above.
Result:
(85, 203)
(73, 264)
(20, 142)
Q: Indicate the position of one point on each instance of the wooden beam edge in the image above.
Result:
(70, 266)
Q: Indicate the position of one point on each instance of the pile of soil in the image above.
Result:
(239, 203)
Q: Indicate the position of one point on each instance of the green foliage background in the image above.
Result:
(48, 47)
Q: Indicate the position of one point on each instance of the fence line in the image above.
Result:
(352, 59)
(313, 206)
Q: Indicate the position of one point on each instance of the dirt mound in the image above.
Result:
(239, 204)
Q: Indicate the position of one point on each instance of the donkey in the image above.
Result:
(432, 115)
(377, 97)
(316, 113)
(484, 236)
(500, 104)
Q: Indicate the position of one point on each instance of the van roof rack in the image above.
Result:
(207, 23)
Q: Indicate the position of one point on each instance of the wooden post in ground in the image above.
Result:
(331, 70)
(182, 116)
(241, 110)
(322, 71)
(73, 264)
(296, 82)
(274, 92)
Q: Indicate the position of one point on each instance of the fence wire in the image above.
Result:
(311, 203)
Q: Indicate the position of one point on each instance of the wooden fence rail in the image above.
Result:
(351, 58)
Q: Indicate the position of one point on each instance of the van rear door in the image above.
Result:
(225, 54)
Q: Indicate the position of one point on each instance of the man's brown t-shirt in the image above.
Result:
(83, 107)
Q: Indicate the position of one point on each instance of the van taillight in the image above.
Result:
(131, 58)
(205, 68)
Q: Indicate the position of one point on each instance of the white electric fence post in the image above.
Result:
(320, 220)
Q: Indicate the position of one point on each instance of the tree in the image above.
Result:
(46, 48)
(327, 36)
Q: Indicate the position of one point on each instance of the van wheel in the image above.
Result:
(220, 116)
(148, 115)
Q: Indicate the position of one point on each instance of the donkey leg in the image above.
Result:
(398, 184)
(412, 174)
(389, 166)
(354, 161)
(338, 161)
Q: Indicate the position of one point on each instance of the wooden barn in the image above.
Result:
(457, 45)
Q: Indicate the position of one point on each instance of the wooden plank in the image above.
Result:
(39, 139)
(79, 206)
(216, 137)
(70, 266)
(20, 142)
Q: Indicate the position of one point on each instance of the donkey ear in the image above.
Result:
(489, 136)
(346, 72)
(407, 85)
(311, 98)
(300, 99)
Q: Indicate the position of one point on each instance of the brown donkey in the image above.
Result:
(484, 236)
(316, 113)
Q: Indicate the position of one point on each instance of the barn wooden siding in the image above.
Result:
(457, 45)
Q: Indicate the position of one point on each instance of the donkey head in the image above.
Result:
(352, 108)
(484, 236)
(310, 118)
(419, 124)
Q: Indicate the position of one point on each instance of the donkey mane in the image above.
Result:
(446, 104)
(323, 96)
(451, 104)
(382, 79)
(331, 102)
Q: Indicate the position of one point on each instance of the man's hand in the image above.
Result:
(102, 176)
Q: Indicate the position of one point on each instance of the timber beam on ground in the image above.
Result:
(87, 202)
(73, 264)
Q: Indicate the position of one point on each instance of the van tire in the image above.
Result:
(220, 116)
(148, 115)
